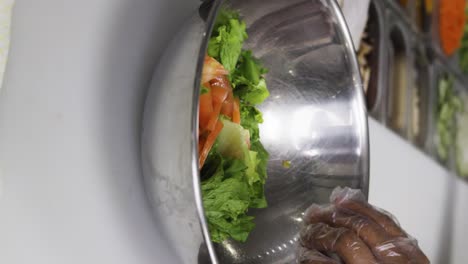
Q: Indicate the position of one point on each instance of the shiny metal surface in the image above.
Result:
(380, 84)
(434, 73)
(315, 118)
(169, 142)
(399, 91)
(421, 88)
(404, 12)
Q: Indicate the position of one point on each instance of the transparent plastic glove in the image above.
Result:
(312, 256)
(357, 232)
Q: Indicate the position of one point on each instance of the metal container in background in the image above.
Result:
(378, 61)
(315, 118)
(434, 29)
(421, 15)
(402, 12)
(418, 30)
(420, 97)
(416, 14)
(404, 6)
(400, 79)
(439, 69)
(461, 152)
(403, 43)
(435, 71)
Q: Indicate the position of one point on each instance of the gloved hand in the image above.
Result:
(356, 232)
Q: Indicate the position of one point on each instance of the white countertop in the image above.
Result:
(70, 115)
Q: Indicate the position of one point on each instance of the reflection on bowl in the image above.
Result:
(315, 118)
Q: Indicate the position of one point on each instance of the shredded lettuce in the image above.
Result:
(251, 117)
(226, 45)
(234, 174)
(248, 81)
(257, 186)
(448, 105)
(235, 184)
(226, 198)
(233, 140)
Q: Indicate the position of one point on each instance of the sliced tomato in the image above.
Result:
(236, 111)
(206, 107)
(228, 105)
(218, 100)
(212, 69)
(219, 93)
(210, 140)
(201, 143)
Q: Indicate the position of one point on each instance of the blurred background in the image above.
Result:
(71, 106)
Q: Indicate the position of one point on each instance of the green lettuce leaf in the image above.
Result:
(248, 81)
(234, 175)
(250, 118)
(226, 198)
(233, 184)
(249, 67)
(232, 141)
(449, 105)
(226, 45)
(223, 18)
(257, 187)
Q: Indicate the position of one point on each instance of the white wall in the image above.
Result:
(420, 193)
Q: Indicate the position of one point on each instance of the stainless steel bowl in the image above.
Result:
(315, 118)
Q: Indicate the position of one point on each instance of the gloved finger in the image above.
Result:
(367, 230)
(407, 246)
(355, 201)
(347, 245)
(313, 256)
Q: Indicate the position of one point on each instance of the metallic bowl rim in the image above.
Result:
(355, 71)
(216, 4)
(349, 50)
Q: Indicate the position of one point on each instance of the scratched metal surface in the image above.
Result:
(315, 118)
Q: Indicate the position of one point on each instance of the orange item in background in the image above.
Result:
(451, 24)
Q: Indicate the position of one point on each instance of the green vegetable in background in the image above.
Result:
(448, 105)
(461, 149)
(462, 142)
(234, 175)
